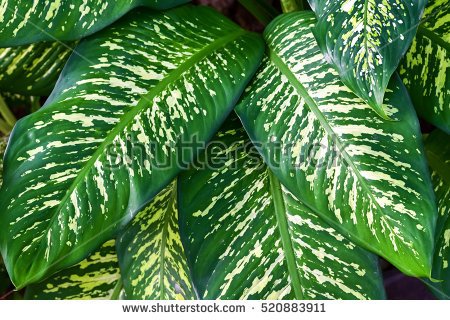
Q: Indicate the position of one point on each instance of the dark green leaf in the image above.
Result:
(425, 70)
(32, 69)
(97, 277)
(365, 40)
(114, 131)
(25, 21)
(366, 176)
(151, 255)
(247, 237)
(438, 152)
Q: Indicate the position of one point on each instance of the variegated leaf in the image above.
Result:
(438, 151)
(247, 237)
(28, 21)
(114, 132)
(425, 70)
(32, 69)
(365, 40)
(3, 143)
(366, 176)
(151, 256)
(97, 277)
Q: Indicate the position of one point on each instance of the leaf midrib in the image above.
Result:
(141, 105)
(423, 31)
(301, 90)
(164, 233)
(283, 227)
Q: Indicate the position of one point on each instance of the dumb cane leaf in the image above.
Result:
(366, 176)
(151, 255)
(425, 70)
(97, 277)
(32, 69)
(111, 135)
(438, 151)
(365, 41)
(24, 21)
(247, 237)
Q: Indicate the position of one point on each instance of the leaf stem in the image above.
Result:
(261, 10)
(291, 5)
(6, 113)
(117, 289)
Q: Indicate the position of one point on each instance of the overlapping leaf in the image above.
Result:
(24, 21)
(438, 152)
(248, 237)
(425, 70)
(113, 133)
(151, 255)
(32, 69)
(97, 277)
(365, 40)
(366, 176)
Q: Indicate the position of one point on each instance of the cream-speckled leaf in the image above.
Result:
(97, 277)
(438, 151)
(28, 21)
(151, 255)
(365, 40)
(425, 70)
(248, 237)
(32, 69)
(111, 135)
(366, 176)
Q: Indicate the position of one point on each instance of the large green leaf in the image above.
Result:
(28, 21)
(247, 237)
(425, 70)
(3, 143)
(97, 277)
(32, 69)
(365, 40)
(115, 131)
(366, 176)
(151, 256)
(438, 152)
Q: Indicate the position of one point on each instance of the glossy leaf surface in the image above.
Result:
(425, 70)
(151, 254)
(248, 237)
(24, 21)
(366, 176)
(97, 277)
(438, 151)
(111, 135)
(365, 40)
(32, 69)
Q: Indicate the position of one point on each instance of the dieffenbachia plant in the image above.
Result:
(154, 79)
(151, 255)
(105, 195)
(32, 69)
(425, 69)
(365, 40)
(96, 277)
(247, 237)
(24, 22)
(365, 176)
(439, 160)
